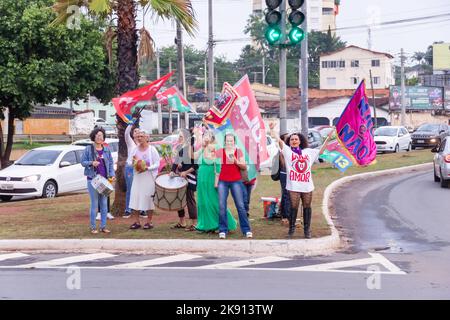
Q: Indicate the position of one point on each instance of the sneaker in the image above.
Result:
(135, 226)
(143, 214)
(249, 235)
(98, 218)
(94, 231)
(222, 235)
(104, 230)
(126, 215)
(109, 216)
(148, 226)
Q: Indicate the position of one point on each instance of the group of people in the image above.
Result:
(211, 173)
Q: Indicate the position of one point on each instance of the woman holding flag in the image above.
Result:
(299, 160)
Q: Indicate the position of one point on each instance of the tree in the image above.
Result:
(127, 51)
(40, 64)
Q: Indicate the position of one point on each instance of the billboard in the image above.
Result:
(441, 56)
(417, 98)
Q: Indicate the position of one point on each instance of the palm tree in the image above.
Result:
(127, 50)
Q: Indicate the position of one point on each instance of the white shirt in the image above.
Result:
(298, 169)
(131, 145)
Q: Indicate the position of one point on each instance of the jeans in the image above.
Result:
(128, 181)
(96, 198)
(238, 197)
(247, 196)
(285, 205)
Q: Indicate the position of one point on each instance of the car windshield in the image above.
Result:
(428, 127)
(387, 132)
(38, 158)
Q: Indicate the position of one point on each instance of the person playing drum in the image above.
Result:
(97, 160)
(146, 163)
(186, 167)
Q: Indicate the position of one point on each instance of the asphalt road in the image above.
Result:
(400, 250)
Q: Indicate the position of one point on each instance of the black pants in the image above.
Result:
(191, 205)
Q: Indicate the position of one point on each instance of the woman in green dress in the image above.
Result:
(208, 198)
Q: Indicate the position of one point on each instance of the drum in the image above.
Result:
(170, 192)
(102, 185)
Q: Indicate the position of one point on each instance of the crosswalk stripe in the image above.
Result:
(154, 262)
(12, 256)
(68, 260)
(243, 263)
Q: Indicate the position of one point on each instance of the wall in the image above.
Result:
(343, 75)
(46, 126)
(82, 123)
(415, 119)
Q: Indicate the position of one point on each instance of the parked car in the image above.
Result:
(315, 139)
(199, 97)
(113, 144)
(44, 172)
(272, 150)
(441, 162)
(324, 130)
(429, 135)
(392, 139)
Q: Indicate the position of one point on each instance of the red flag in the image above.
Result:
(125, 104)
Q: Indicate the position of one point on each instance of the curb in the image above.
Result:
(237, 248)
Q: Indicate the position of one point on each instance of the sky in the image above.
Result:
(230, 18)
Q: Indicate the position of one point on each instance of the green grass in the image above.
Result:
(67, 216)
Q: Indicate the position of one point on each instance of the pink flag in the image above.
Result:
(355, 128)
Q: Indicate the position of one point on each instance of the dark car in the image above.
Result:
(429, 135)
(199, 97)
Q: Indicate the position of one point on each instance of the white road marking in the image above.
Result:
(375, 258)
(243, 263)
(12, 256)
(154, 262)
(68, 260)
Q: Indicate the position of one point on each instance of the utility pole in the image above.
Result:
(283, 104)
(210, 55)
(181, 81)
(373, 99)
(369, 38)
(304, 81)
(206, 76)
(402, 59)
(263, 69)
(170, 108)
(158, 75)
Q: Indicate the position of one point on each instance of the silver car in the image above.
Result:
(441, 162)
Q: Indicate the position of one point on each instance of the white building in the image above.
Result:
(344, 69)
(321, 14)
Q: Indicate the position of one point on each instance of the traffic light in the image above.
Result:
(296, 18)
(273, 18)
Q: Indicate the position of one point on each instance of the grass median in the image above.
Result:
(66, 217)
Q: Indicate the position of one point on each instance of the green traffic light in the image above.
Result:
(273, 34)
(296, 35)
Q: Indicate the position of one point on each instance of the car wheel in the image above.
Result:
(436, 178)
(444, 183)
(6, 198)
(409, 148)
(413, 148)
(49, 190)
(397, 148)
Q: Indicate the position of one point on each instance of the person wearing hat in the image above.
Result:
(146, 164)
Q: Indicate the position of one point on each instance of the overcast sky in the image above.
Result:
(230, 17)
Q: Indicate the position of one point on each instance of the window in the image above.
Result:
(102, 114)
(324, 64)
(79, 155)
(327, 11)
(404, 131)
(342, 64)
(355, 63)
(376, 80)
(375, 63)
(354, 80)
(333, 64)
(331, 81)
(70, 157)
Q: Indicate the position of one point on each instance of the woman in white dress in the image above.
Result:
(146, 163)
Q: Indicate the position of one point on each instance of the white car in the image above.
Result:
(392, 139)
(272, 149)
(44, 172)
(441, 163)
(113, 144)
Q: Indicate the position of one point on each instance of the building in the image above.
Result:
(441, 58)
(345, 68)
(321, 14)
